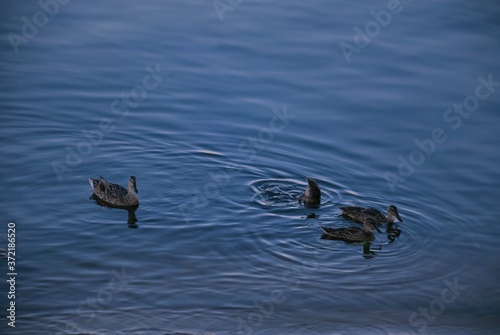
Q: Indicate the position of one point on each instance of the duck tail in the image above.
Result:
(92, 182)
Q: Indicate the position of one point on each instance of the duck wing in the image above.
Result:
(354, 212)
(336, 232)
(373, 213)
(360, 214)
(327, 230)
(107, 191)
(113, 191)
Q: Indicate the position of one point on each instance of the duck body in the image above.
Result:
(312, 196)
(115, 194)
(351, 234)
(361, 214)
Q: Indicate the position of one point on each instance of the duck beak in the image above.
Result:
(396, 214)
(135, 188)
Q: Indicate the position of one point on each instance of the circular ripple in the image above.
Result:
(285, 193)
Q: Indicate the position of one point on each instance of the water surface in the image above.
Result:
(221, 122)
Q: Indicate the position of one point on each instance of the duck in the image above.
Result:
(114, 194)
(360, 214)
(352, 234)
(312, 196)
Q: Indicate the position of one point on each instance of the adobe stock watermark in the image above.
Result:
(86, 311)
(94, 137)
(31, 26)
(420, 320)
(454, 118)
(372, 29)
(223, 6)
(249, 148)
(266, 309)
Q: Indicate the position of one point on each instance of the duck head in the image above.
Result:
(392, 211)
(132, 184)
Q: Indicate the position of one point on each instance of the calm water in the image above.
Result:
(221, 121)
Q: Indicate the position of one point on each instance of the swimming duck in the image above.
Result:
(360, 214)
(312, 195)
(115, 194)
(352, 234)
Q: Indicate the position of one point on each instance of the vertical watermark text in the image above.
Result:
(11, 274)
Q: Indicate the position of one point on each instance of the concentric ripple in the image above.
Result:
(285, 192)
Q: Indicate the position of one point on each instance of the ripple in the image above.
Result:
(347, 329)
(284, 193)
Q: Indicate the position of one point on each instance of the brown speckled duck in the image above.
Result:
(115, 194)
(352, 234)
(360, 214)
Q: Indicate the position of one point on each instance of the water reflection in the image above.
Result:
(131, 219)
(392, 232)
(368, 251)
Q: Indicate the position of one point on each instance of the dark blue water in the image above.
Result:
(221, 118)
